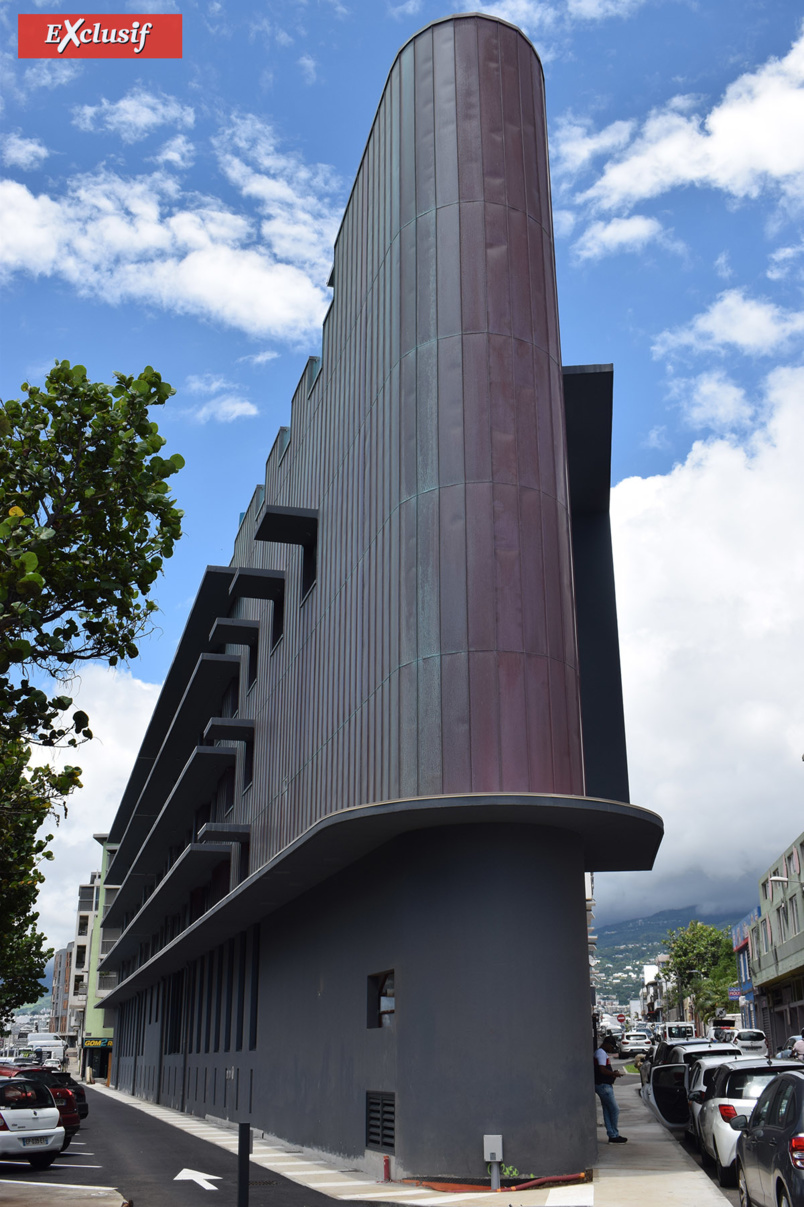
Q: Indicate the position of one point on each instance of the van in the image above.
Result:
(674, 1032)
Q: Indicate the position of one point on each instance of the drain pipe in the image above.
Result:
(493, 1155)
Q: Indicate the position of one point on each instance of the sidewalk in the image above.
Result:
(653, 1168)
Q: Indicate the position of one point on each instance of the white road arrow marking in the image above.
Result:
(203, 1179)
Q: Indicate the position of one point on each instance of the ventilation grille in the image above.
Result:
(380, 1121)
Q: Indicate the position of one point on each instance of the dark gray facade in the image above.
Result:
(391, 740)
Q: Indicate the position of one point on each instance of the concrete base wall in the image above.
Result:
(485, 929)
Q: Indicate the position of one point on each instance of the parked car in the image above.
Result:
(699, 1088)
(666, 1092)
(29, 1123)
(65, 1099)
(660, 1053)
(750, 1043)
(770, 1146)
(69, 1081)
(632, 1044)
(737, 1085)
(787, 1048)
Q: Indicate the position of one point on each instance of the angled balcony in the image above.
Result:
(212, 675)
(195, 784)
(292, 526)
(192, 870)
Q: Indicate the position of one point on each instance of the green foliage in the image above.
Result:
(704, 966)
(86, 521)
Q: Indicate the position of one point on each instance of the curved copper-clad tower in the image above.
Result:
(391, 740)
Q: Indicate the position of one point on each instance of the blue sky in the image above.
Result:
(182, 213)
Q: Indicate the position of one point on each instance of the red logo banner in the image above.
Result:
(99, 36)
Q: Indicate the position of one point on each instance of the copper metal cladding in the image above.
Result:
(437, 651)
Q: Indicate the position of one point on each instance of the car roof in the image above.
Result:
(762, 1062)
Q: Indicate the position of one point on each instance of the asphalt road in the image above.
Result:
(123, 1147)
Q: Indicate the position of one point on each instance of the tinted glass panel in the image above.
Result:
(749, 1083)
(24, 1095)
(783, 1106)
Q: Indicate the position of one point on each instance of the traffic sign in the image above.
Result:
(620, 1018)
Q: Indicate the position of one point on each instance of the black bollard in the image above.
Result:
(243, 1153)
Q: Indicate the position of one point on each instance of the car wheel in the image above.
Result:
(66, 1144)
(42, 1162)
(784, 1201)
(725, 1173)
(742, 1187)
(706, 1160)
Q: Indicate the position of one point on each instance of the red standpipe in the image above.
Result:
(386, 1169)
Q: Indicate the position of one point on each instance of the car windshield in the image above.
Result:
(749, 1083)
(750, 1036)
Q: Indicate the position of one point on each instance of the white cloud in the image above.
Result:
(51, 73)
(723, 266)
(621, 235)
(225, 408)
(298, 201)
(409, 9)
(712, 400)
(751, 141)
(710, 584)
(135, 115)
(144, 239)
(119, 708)
(309, 68)
(206, 383)
(177, 152)
(573, 146)
(782, 260)
(598, 10)
(260, 358)
(24, 153)
(754, 326)
(529, 15)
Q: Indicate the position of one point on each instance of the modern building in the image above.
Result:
(351, 853)
(777, 939)
(60, 990)
(98, 1035)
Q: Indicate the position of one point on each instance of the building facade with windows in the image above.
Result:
(777, 940)
(351, 853)
(60, 990)
(741, 942)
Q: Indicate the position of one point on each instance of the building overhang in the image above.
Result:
(195, 784)
(212, 675)
(611, 836)
(211, 601)
(191, 870)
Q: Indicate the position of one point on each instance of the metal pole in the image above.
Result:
(243, 1152)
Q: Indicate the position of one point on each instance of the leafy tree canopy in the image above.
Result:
(703, 964)
(86, 521)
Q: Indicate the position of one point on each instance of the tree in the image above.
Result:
(86, 521)
(704, 966)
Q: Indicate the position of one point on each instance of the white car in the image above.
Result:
(666, 1091)
(751, 1043)
(632, 1044)
(699, 1088)
(29, 1123)
(736, 1086)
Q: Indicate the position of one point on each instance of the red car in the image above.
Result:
(63, 1096)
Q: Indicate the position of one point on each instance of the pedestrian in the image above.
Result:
(798, 1048)
(605, 1077)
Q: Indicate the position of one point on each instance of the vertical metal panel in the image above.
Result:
(448, 242)
(437, 650)
(424, 122)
